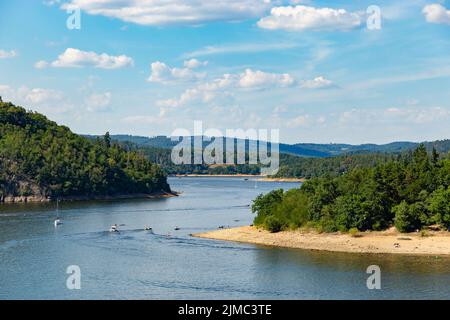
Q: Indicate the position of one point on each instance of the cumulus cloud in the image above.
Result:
(436, 13)
(260, 79)
(31, 96)
(48, 101)
(75, 58)
(247, 80)
(301, 18)
(194, 63)
(160, 72)
(167, 12)
(317, 83)
(7, 54)
(97, 102)
(39, 95)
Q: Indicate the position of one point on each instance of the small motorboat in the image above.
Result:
(114, 228)
(177, 229)
(58, 220)
(148, 228)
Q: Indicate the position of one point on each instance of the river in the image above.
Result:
(169, 264)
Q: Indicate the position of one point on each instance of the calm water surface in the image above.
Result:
(169, 264)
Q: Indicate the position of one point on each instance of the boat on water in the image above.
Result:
(148, 228)
(58, 220)
(114, 228)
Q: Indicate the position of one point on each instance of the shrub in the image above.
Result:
(273, 224)
(439, 206)
(408, 217)
(354, 232)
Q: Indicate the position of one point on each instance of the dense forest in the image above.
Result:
(311, 150)
(40, 158)
(162, 157)
(297, 167)
(321, 159)
(411, 192)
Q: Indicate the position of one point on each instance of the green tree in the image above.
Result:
(439, 206)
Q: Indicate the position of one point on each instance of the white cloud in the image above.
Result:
(50, 3)
(260, 79)
(98, 102)
(7, 54)
(317, 83)
(240, 48)
(160, 72)
(300, 121)
(167, 12)
(41, 64)
(48, 101)
(247, 80)
(75, 58)
(301, 18)
(436, 13)
(194, 63)
(33, 96)
(6, 92)
(418, 115)
(39, 95)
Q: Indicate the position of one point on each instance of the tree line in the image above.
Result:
(410, 191)
(39, 157)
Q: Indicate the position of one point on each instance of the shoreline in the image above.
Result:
(383, 242)
(217, 175)
(258, 177)
(266, 179)
(42, 199)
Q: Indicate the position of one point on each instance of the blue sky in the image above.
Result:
(309, 68)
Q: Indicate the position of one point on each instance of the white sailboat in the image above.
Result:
(58, 220)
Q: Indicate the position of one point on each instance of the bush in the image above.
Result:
(408, 217)
(263, 205)
(273, 224)
(439, 206)
(327, 225)
(354, 232)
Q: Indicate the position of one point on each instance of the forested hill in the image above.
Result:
(411, 192)
(41, 159)
(305, 149)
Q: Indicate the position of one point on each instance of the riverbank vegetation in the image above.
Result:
(410, 191)
(39, 158)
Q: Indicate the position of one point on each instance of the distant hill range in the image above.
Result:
(304, 149)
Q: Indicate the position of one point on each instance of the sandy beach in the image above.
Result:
(217, 175)
(268, 179)
(258, 177)
(386, 242)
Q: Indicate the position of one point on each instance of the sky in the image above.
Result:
(319, 71)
